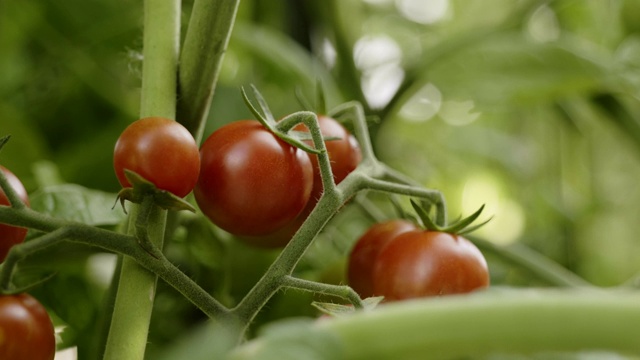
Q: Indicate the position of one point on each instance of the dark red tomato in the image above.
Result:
(344, 152)
(364, 253)
(428, 263)
(26, 331)
(160, 150)
(251, 182)
(11, 235)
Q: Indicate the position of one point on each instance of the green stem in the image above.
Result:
(532, 262)
(127, 245)
(201, 59)
(127, 337)
(342, 291)
(506, 323)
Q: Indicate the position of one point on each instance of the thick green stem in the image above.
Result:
(204, 46)
(504, 323)
(127, 337)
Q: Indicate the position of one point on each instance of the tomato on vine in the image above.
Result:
(11, 235)
(26, 329)
(366, 250)
(400, 260)
(251, 182)
(423, 263)
(161, 151)
(345, 155)
(343, 151)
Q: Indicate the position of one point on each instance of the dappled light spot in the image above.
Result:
(423, 11)
(423, 105)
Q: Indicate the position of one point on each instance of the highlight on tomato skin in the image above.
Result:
(26, 329)
(423, 263)
(11, 235)
(160, 150)
(252, 183)
(366, 249)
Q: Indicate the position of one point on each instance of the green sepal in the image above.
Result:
(143, 187)
(270, 124)
(423, 215)
(461, 226)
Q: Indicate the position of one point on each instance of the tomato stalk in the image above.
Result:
(135, 296)
(500, 322)
(204, 46)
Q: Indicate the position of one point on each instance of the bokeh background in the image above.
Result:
(530, 107)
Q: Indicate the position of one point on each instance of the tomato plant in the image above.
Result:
(428, 263)
(251, 182)
(26, 331)
(11, 235)
(343, 149)
(364, 253)
(160, 150)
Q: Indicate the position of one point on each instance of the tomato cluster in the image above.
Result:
(11, 235)
(26, 331)
(398, 260)
(245, 179)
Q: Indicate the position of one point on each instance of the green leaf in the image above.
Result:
(77, 203)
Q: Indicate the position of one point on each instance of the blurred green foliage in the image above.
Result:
(530, 107)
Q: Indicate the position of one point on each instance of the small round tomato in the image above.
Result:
(428, 263)
(251, 182)
(26, 331)
(344, 152)
(364, 253)
(11, 235)
(160, 150)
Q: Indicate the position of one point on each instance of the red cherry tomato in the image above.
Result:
(344, 152)
(11, 235)
(160, 150)
(26, 331)
(251, 182)
(428, 263)
(364, 253)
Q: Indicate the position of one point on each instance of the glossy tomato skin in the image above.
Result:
(252, 183)
(344, 152)
(365, 252)
(160, 150)
(11, 235)
(26, 331)
(428, 263)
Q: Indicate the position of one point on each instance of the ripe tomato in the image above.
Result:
(11, 235)
(26, 331)
(343, 152)
(251, 182)
(365, 251)
(160, 150)
(428, 263)
(345, 156)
